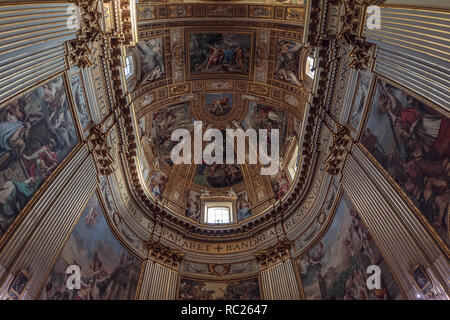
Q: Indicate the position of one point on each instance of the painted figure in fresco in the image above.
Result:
(265, 117)
(118, 282)
(241, 290)
(152, 60)
(243, 207)
(280, 184)
(42, 162)
(36, 133)
(219, 106)
(287, 64)
(91, 217)
(226, 57)
(80, 100)
(238, 58)
(108, 271)
(415, 150)
(218, 175)
(13, 130)
(59, 126)
(233, 290)
(219, 52)
(98, 284)
(229, 55)
(157, 183)
(193, 206)
(13, 196)
(145, 12)
(215, 57)
(335, 269)
(165, 121)
(360, 101)
(194, 290)
(54, 96)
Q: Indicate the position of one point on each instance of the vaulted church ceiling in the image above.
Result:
(230, 66)
(93, 114)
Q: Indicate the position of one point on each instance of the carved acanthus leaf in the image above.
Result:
(275, 254)
(101, 151)
(90, 31)
(338, 150)
(164, 255)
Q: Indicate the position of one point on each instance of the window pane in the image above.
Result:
(218, 215)
(128, 70)
(310, 67)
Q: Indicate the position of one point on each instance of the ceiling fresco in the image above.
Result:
(219, 53)
(249, 72)
(151, 60)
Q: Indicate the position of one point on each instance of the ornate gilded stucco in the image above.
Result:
(324, 118)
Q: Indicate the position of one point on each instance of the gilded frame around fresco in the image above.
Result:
(413, 270)
(166, 56)
(203, 108)
(96, 192)
(225, 75)
(36, 196)
(383, 171)
(15, 294)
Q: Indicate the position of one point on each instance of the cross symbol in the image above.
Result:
(219, 247)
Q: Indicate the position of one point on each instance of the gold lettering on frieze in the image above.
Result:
(216, 248)
(292, 221)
